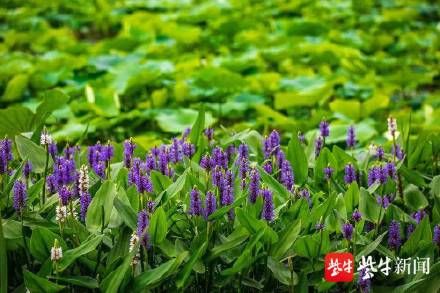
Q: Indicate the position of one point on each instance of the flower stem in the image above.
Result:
(43, 193)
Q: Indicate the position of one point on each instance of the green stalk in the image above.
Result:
(46, 166)
(3, 262)
(98, 260)
(26, 249)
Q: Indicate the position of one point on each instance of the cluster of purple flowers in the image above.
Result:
(351, 137)
(350, 173)
(196, 208)
(20, 196)
(5, 154)
(268, 207)
(347, 231)
(384, 201)
(142, 228)
(394, 239)
(138, 176)
(382, 173)
(129, 147)
(99, 157)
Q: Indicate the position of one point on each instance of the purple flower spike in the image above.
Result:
(217, 177)
(350, 173)
(364, 282)
(356, 216)
(210, 204)
(391, 170)
(20, 196)
(230, 152)
(347, 231)
(243, 170)
(195, 203)
(394, 240)
(409, 230)
(306, 194)
(268, 207)
(84, 201)
(227, 197)
(188, 149)
(384, 201)
(319, 143)
(268, 167)
(52, 149)
(418, 216)
(351, 137)
(27, 169)
(129, 147)
(5, 154)
(205, 162)
(209, 133)
(65, 195)
(380, 153)
(286, 176)
(436, 236)
(398, 152)
(324, 128)
(373, 175)
(142, 228)
(254, 185)
(328, 172)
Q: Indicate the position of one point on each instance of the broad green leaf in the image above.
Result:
(414, 198)
(351, 197)
(160, 181)
(34, 153)
(298, 159)
(86, 247)
(15, 120)
(15, 88)
(186, 271)
(126, 212)
(42, 240)
(36, 283)
(152, 277)
(237, 237)
(368, 206)
(368, 249)
(349, 108)
(113, 280)
(281, 272)
(158, 226)
(281, 194)
(101, 202)
(81, 281)
(422, 233)
(287, 240)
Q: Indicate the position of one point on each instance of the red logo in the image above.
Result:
(339, 267)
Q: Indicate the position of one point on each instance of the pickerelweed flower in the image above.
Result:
(176, 151)
(51, 184)
(436, 235)
(142, 228)
(271, 145)
(56, 252)
(287, 177)
(324, 128)
(243, 170)
(351, 137)
(65, 194)
(69, 151)
(163, 161)
(380, 153)
(137, 176)
(219, 158)
(301, 137)
(356, 215)
(391, 170)
(373, 175)
(419, 215)
(227, 196)
(5, 154)
(364, 281)
(231, 150)
(398, 152)
(151, 205)
(27, 169)
(347, 230)
(328, 172)
(210, 204)
(392, 126)
(306, 194)
(61, 214)
(254, 185)
(268, 207)
(217, 177)
(267, 166)
(205, 162)
(209, 133)
(195, 208)
(319, 226)
(350, 173)
(394, 240)
(45, 138)
(20, 196)
(384, 201)
(188, 149)
(319, 144)
(52, 149)
(129, 147)
(150, 162)
(84, 200)
(64, 170)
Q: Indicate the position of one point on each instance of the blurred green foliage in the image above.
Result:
(141, 68)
